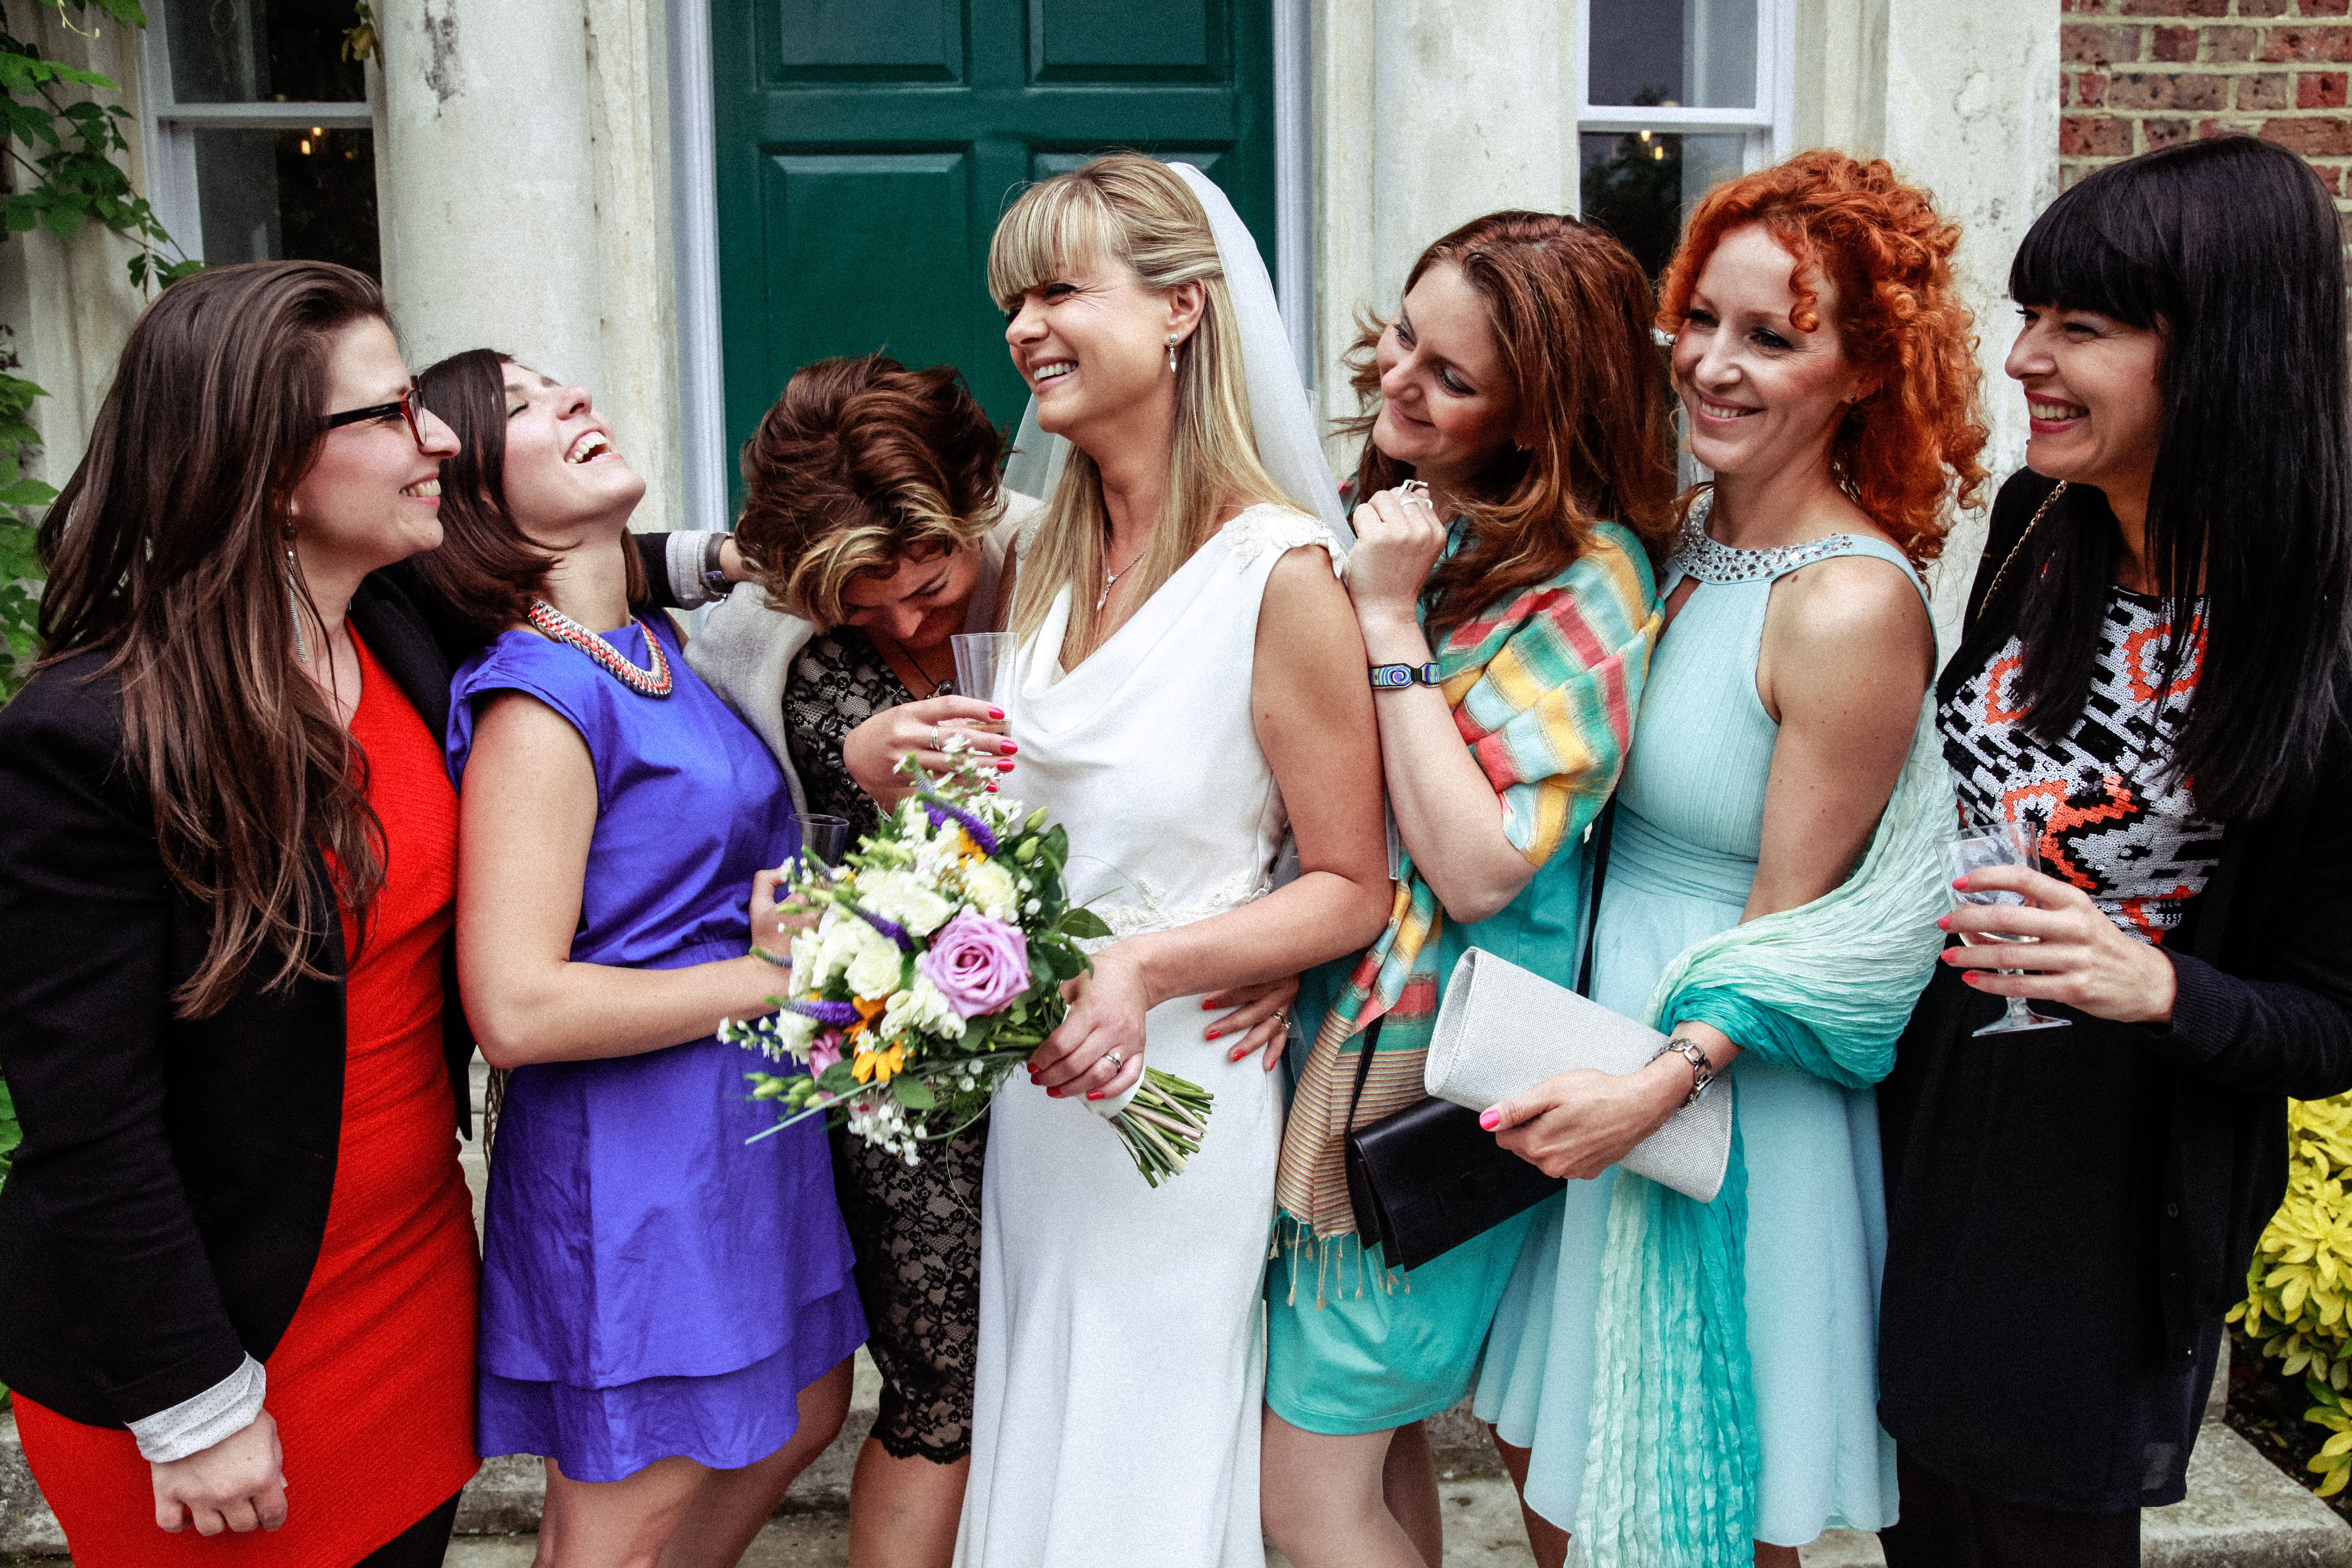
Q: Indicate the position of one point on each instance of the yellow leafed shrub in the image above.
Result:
(2300, 1280)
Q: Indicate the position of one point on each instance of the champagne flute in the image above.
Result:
(985, 670)
(1977, 848)
(823, 839)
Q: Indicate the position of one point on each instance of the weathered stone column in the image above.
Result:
(1427, 114)
(522, 193)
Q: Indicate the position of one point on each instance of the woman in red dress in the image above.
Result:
(237, 1253)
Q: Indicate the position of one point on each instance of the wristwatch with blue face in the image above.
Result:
(1389, 675)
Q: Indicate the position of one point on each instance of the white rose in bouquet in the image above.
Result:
(990, 887)
(921, 1007)
(902, 898)
(875, 970)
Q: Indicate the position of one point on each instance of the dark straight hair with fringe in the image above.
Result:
(2229, 247)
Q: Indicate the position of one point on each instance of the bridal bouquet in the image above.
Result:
(935, 967)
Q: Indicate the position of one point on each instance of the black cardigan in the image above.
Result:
(169, 1199)
(2063, 1417)
(2265, 973)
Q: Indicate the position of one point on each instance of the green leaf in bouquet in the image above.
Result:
(1083, 925)
(1041, 968)
(837, 1078)
(1066, 964)
(913, 1092)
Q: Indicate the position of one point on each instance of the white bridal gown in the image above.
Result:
(1122, 1350)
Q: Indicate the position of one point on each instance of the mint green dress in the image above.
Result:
(1688, 832)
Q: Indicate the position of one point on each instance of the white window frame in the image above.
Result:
(169, 128)
(1765, 129)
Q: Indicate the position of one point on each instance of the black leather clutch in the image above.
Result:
(1429, 1178)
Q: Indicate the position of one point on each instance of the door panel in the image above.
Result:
(867, 147)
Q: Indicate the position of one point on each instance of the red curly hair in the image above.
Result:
(1912, 444)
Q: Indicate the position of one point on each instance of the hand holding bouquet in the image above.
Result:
(935, 967)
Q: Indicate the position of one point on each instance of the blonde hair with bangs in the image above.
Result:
(1135, 211)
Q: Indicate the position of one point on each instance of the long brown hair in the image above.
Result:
(862, 464)
(487, 570)
(168, 549)
(1570, 313)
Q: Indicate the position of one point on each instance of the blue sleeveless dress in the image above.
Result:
(651, 1284)
(1689, 829)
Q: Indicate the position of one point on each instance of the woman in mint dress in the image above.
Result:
(1517, 384)
(1667, 1396)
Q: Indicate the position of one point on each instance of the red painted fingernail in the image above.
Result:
(996, 712)
(1008, 748)
(1944, 922)
(1237, 1052)
(992, 789)
(1094, 1094)
(1211, 1035)
(1961, 883)
(1005, 767)
(1487, 1119)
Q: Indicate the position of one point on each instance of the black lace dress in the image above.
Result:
(916, 1228)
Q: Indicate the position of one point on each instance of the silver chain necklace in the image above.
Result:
(1110, 577)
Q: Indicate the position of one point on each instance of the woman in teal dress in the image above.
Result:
(1519, 385)
(1675, 1391)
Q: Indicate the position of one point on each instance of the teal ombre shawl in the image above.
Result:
(1670, 1476)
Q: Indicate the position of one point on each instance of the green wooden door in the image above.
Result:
(867, 147)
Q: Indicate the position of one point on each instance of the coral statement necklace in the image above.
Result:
(553, 623)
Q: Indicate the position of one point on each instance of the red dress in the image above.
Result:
(373, 1385)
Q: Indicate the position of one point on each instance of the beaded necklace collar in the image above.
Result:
(1702, 556)
(656, 682)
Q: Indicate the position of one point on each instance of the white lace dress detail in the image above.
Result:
(1122, 1355)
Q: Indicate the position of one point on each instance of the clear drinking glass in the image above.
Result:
(1977, 848)
(823, 839)
(985, 670)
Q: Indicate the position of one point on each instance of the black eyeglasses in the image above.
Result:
(405, 407)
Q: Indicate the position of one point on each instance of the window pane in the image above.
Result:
(1639, 185)
(288, 194)
(261, 51)
(1700, 53)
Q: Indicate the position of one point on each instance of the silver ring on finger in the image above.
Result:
(938, 739)
(1280, 1017)
(1115, 1059)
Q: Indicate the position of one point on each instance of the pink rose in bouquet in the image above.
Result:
(979, 964)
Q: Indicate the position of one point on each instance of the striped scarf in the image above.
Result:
(1543, 688)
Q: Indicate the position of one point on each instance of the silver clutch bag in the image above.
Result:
(1501, 1030)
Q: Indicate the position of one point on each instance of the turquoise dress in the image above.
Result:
(1353, 1346)
(1688, 832)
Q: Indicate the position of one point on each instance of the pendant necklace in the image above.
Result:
(1110, 577)
(553, 623)
(941, 686)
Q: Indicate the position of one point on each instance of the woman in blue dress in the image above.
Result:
(1519, 383)
(1824, 363)
(667, 1310)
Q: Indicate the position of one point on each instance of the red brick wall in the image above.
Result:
(2142, 74)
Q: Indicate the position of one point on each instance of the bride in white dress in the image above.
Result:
(1191, 689)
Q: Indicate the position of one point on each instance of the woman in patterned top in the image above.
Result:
(873, 531)
(2152, 677)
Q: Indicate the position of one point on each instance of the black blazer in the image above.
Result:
(169, 1199)
(2264, 965)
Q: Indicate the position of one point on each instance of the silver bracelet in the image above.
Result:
(1691, 1051)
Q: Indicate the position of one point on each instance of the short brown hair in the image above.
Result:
(487, 570)
(862, 464)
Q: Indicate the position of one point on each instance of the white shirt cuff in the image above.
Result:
(194, 1424)
(684, 559)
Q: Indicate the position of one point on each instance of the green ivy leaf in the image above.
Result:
(912, 1092)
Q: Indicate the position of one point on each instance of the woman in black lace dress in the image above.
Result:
(874, 529)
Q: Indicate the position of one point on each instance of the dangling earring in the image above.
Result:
(294, 602)
(1172, 353)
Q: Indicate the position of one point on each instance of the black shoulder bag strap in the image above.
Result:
(1600, 849)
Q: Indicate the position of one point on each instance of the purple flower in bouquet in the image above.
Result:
(979, 964)
(948, 811)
